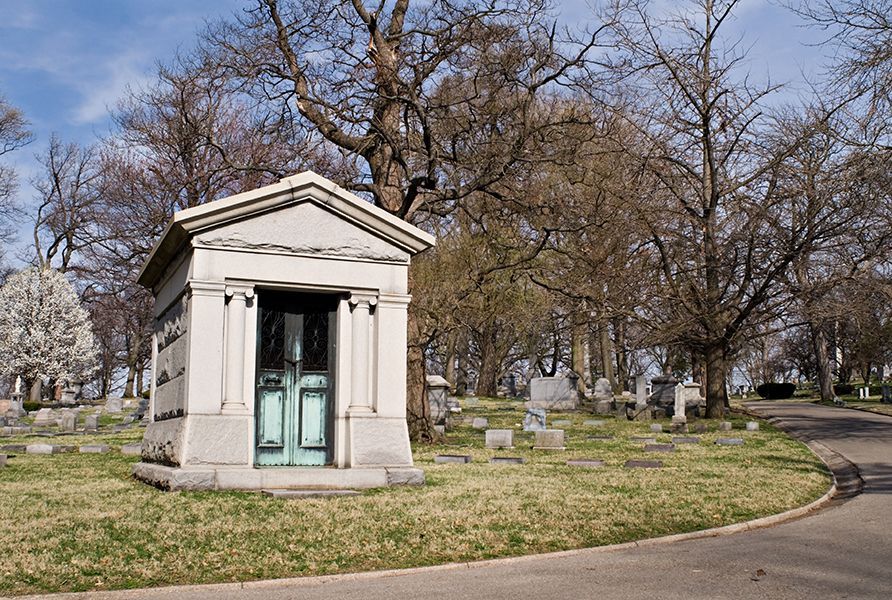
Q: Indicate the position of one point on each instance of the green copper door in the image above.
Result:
(295, 350)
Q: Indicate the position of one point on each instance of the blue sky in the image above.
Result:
(65, 62)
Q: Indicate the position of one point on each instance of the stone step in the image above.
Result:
(297, 494)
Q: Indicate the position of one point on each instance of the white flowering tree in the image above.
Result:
(44, 332)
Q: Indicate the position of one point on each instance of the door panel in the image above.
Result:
(294, 354)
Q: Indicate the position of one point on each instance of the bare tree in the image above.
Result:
(14, 134)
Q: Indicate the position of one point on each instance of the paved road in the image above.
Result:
(842, 551)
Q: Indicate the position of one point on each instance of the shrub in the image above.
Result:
(776, 391)
(843, 389)
(30, 406)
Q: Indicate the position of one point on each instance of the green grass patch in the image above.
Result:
(79, 522)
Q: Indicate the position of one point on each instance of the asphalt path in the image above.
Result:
(843, 550)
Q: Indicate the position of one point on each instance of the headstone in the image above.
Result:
(440, 429)
(452, 458)
(643, 464)
(602, 390)
(534, 419)
(603, 407)
(94, 449)
(437, 395)
(640, 392)
(729, 442)
(114, 405)
(663, 394)
(472, 401)
(39, 449)
(692, 397)
(480, 423)
(553, 393)
(656, 428)
(499, 438)
(507, 460)
(91, 423)
(550, 439)
(511, 385)
(679, 420)
(453, 404)
(644, 439)
(752, 426)
(68, 396)
(131, 449)
(44, 418)
(726, 426)
(659, 448)
(685, 440)
(69, 420)
(585, 463)
(593, 423)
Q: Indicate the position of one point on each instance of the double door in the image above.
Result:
(295, 349)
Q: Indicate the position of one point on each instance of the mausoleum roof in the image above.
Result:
(303, 187)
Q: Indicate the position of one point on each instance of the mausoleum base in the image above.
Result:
(255, 479)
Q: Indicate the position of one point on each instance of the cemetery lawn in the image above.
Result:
(74, 522)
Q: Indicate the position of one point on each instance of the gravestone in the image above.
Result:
(602, 389)
(659, 448)
(499, 438)
(729, 442)
(562, 423)
(2, 460)
(68, 421)
(94, 449)
(663, 394)
(453, 405)
(726, 426)
(511, 385)
(642, 410)
(679, 420)
(752, 426)
(45, 418)
(91, 423)
(437, 396)
(114, 405)
(534, 419)
(553, 393)
(131, 449)
(643, 464)
(642, 438)
(550, 439)
(39, 449)
(480, 423)
(685, 440)
(507, 460)
(68, 396)
(656, 428)
(452, 458)
(700, 427)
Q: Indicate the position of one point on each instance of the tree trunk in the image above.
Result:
(715, 382)
(698, 374)
(461, 374)
(577, 346)
(822, 358)
(449, 366)
(622, 360)
(132, 364)
(418, 412)
(593, 356)
(606, 355)
(487, 378)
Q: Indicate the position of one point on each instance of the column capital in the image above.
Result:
(238, 289)
(363, 298)
(198, 287)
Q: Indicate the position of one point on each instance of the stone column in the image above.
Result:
(360, 397)
(236, 313)
(679, 420)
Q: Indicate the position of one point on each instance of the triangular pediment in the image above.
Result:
(301, 214)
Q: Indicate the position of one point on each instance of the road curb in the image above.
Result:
(847, 483)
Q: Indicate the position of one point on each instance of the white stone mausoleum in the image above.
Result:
(279, 349)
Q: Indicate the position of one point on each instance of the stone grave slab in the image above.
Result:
(685, 440)
(452, 458)
(562, 423)
(599, 437)
(585, 463)
(729, 442)
(507, 460)
(643, 464)
(131, 449)
(644, 439)
(659, 448)
(9, 448)
(472, 401)
(550, 439)
(300, 494)
(499, 438)
(480, 423)
(94, 449)
(39, 449)
(593, 423)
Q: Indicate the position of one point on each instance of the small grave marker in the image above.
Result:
(562, 423)
(593, 423)
(94, 449)
(131, 449)
(659, 448)
(534, 420)
(452, 458)
(91, 423)
(2, 460)
(729, 442)
(685, 440)
(480, 423)
(726, 426)
(499, 438)
(599, 437)
(752, 426)
(656, 428)
(550, 439)
(645, 439)
(300, 494)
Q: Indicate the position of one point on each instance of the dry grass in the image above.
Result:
(78, 522)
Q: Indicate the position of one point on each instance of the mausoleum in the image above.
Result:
(279, 347)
